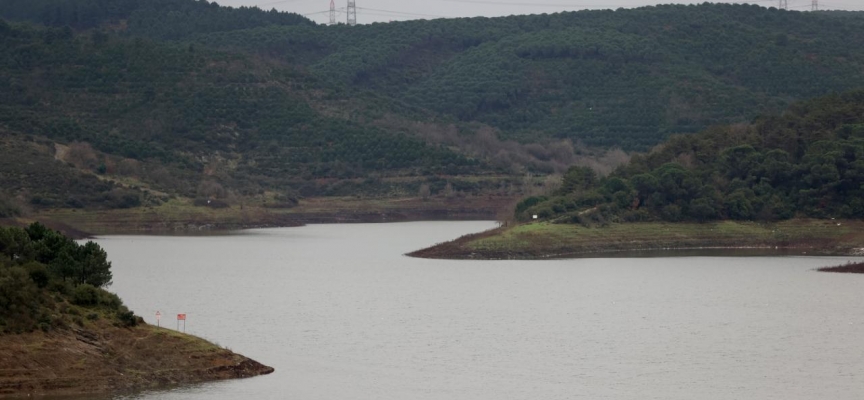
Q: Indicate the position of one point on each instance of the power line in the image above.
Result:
(281, 2)
(404, 13)
(504, 3)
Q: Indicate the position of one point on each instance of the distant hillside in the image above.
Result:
(624, 78)
(163, 19)
(136, 102)
(184, 121)
(807, 163)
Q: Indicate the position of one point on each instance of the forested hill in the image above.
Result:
(140, 100)
(627, 78)
(162, 19)
(181, 120)
(808, 162)
(610, 78)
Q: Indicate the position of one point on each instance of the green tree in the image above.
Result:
(94, 267)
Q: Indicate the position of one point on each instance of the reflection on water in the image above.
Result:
(341, 314)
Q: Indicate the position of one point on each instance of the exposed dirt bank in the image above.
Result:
(107, 359)
(543, 240)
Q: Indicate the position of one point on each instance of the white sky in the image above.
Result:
(398, 10)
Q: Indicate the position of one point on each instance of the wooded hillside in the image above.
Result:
(151, 99)
(808, 163)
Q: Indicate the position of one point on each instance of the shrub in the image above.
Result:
(128, 318)
(109, 299)
(60, 287)
(86, 295)
(38, 274)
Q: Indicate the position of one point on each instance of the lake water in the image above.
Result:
(342, 314)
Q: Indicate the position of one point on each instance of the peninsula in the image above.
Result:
(61, 333)
(792, 181)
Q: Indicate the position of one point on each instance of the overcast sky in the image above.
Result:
(398, 10)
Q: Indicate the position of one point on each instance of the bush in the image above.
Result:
(38, 273)
(636, 216)
(60, 287)
(128, 318)
(8, 208)
(671, 213)
(529, 202)
(109, 300)
(86, 295)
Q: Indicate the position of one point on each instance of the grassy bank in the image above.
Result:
(182, 216)
(545, 240)
(98, 357)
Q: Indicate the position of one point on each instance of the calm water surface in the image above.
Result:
(342, 314)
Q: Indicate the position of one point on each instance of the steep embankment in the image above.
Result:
(101, 358)
(545, 240)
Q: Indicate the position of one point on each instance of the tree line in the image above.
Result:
(46, 278)
(808, 162)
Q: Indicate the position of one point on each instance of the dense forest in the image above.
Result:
(809, 162)
(142, 100)
(163, 19)
(48, 281)
(628, 78)
(182, 120)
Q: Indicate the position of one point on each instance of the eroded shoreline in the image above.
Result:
(108, 360)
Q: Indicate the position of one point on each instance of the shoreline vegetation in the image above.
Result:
(63, 333)
(543, 240)
(849, 268)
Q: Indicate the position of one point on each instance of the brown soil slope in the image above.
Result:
(105, 359)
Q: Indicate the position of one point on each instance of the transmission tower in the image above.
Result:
(784, 5)
(332, 12)
(814, 5)
(352, 12)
